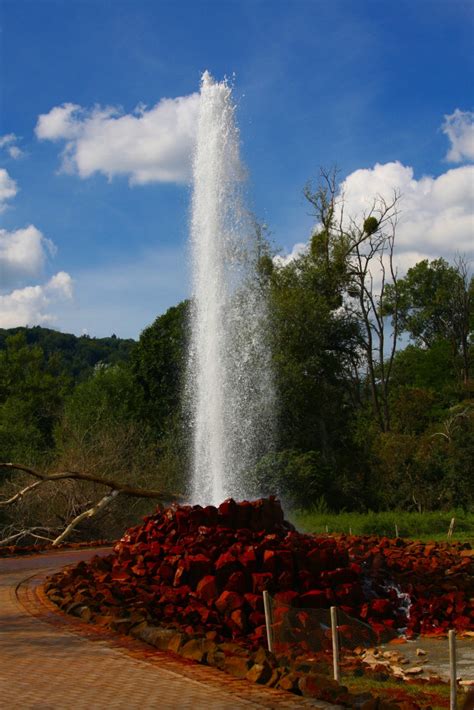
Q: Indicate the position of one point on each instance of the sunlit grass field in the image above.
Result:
(419, 526)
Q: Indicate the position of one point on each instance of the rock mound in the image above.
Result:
(205, 569)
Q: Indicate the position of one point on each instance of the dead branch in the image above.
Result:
(89, 513)
(20, 494)
(30, 532)
(80, 476)
(91, 510)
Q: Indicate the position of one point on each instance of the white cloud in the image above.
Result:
(29, 306)
(152, 145)
(298, 249)
(23, 254)
(8, 142)
(15, 152)
(459, 127)
(8, 188)
(7, 139)
(436, 214)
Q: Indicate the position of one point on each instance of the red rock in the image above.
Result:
(207, 589)
(238, 582)
(315, 599)
(261, 581)
(178, 565)
(228, 602)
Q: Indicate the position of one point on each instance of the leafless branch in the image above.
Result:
(89, 513)
(81, 476)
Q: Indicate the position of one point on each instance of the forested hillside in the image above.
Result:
(78, 354)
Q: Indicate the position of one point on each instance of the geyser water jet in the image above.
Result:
(230, 392)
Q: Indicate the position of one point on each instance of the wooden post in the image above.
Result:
(452, 670)
(396, 530)
(267, 605)
(451, 528)
(335, 645)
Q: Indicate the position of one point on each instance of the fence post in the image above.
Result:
(452, 670)
(335, 645)
(451, 527)
(267, 605)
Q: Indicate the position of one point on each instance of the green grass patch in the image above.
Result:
(419, 526)
(435, 695)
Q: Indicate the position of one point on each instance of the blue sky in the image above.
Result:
(96, 242)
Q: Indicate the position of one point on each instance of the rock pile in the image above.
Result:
(435, 579)
(204, 569)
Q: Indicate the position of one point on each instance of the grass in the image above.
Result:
(435, 695)
(419, 526)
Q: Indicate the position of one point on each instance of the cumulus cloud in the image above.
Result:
(8, 188)
(23, 254)
(459, 127)
(436, 217)
(298, 249)
(148, 145)
(30, 305)
(8, 143)
(435, 213)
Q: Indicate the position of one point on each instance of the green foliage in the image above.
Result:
(429, 368)
(312, 343)
(158, 364)
(32, 389)
(371, 224)
(298, 478)
(435, 303)
(77, 355)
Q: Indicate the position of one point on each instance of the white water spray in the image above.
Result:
(229, 382)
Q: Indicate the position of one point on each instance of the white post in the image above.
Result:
(451, 528)
(335, 645)
(267, 605)
(396, 530)
(452, 670)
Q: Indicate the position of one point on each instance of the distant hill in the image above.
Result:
(79, 355)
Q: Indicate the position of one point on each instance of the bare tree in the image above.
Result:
(359, 256)
(372, 268)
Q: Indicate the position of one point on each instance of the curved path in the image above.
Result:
(49, 661)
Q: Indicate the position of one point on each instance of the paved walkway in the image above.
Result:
(49, 661)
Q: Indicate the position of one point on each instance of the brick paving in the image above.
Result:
(49, 661)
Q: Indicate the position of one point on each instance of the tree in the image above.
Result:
(158, 366)
(32, 389)
(359, 262)
(435, 303)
